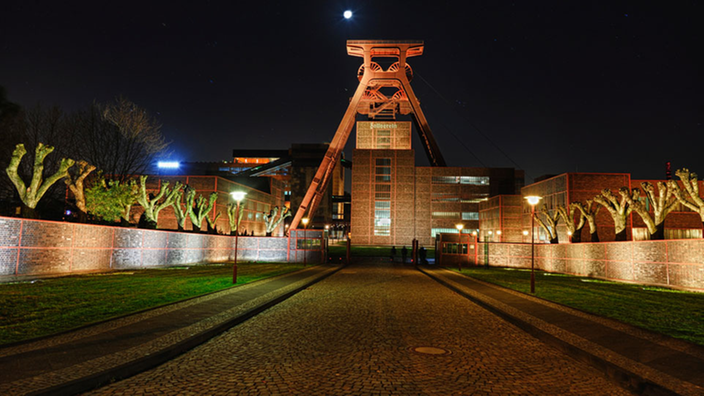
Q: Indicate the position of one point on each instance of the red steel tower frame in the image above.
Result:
(373, 98)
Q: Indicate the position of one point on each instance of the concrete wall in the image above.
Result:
(676, 263)
(35, 247)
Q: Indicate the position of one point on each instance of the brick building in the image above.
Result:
(497, 214)
(393, 201)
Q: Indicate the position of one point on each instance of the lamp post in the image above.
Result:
(476, 248)
(459, 230)
(305, 240)
(532, 201)
(238, 196)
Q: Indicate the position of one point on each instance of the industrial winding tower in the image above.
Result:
(381, 94)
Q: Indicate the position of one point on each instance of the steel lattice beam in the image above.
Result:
(372, 79)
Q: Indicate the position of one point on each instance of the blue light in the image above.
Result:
(168, 164)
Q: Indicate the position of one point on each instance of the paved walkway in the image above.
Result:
(77, 361)
(372, 329)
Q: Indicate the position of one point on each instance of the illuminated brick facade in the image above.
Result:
(393, 201)
(498, 213)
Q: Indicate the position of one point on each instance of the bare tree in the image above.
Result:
(31, 194)
(272, 221)
(212, 221)
(568, 218)
(693, 200)
(550, 223)
(179, 210)
(662, 205)
(128, 144)
(589, 211)
(618, 209)
(234, 217)
(201, 208)
(75, 185)
(153, 204)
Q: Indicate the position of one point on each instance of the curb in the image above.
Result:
(624, 377)
(137, 366)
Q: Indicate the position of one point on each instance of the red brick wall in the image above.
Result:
(36, 247)
(674, 263)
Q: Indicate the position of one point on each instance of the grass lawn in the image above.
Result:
(672, 312)
(29, 310)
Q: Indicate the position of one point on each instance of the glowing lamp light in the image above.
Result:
(491, 232)
(459, 227)
(347, 14)
(533, 200)
(238, 195)
(498, 232)
(305, 221)
(167, 164)
(525, 232)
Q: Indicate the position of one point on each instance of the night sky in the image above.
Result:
(565, 86)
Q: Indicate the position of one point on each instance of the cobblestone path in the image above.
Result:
(355, 334)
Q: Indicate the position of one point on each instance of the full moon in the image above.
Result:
(347, 14)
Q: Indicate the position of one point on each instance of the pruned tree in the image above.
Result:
(234, 217)
(272, 221)
(589, 211)
(31, 194)
(153, 204)
(180, 211)
(692, 200)
(618, 209)
(662, 205)
(568, 218)
(111, 200)
(75, 183)
(212, 222)
(201, 208)
(550, 222)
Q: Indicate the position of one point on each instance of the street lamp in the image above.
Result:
(238, 196)
(305, 240)
(532, 201)
(459, 230)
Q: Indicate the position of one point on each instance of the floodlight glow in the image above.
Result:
(459, 227)
(347, 14)
(167, 164)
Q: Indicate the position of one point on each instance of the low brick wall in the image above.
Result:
(35, 247)
(677, 262)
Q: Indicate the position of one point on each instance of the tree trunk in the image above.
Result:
(577, 236)
(659, 233)
(594, 236)
(621, 236)
(146, 223)
(212, 230)
(124, 222)
(554, 240)
(29, 213)
(268, 234)
(180, 228)
(82, 216)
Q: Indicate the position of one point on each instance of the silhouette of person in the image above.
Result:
(422, 253)
(393, 253)
(404, 253)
